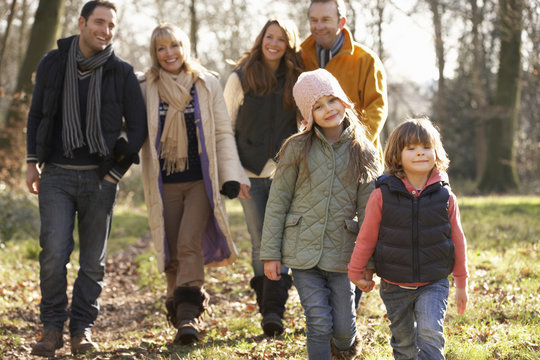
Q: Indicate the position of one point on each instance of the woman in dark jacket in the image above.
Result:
(263, 113)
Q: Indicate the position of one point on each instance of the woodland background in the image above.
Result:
(485, 98)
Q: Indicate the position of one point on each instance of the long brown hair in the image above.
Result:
(258, 77)
(364, 162)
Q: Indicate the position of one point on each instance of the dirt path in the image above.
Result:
(124, 309)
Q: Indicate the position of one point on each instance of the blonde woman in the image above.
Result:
(188, 159)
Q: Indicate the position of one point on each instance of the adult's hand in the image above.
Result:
(108, 178)
(33, 176)
(244, 192)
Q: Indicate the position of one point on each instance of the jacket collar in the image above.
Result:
(345, 135)
(436, 180)
(65, 43)
(309, 47)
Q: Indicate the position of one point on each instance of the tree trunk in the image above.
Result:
(4, 44)
(479, 87)
(42, 39)
(500, 173)
(437, 10)
(194, 28)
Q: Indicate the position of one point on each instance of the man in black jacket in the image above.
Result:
(85, 127)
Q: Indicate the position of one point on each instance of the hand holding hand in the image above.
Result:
(272, 269)
(364, 285)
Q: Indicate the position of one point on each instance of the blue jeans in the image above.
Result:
(417, 319)
(328, 302)
(63, 195)
(254, 210)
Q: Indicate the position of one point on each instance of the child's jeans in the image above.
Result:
(417, 318)
(328, 302)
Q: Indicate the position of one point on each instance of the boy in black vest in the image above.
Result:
(413, 230)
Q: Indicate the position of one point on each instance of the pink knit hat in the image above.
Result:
(310, 87)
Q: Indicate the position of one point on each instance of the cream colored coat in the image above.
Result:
(224, 163)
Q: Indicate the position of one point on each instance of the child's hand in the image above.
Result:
(364, 285)
(272, 269)
(461, 299)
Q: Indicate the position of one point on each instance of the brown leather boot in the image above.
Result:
(49, 342)
(82, 343)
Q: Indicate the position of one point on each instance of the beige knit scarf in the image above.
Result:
(174, 141)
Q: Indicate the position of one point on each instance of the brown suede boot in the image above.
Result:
(49, 342)
(190, 303)
(349, 354)
(171, 313)
(82, 343)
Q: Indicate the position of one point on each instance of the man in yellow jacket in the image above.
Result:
(358, 69)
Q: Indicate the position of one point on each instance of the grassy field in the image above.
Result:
(502, 320)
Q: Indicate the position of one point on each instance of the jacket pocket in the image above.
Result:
(291, 232)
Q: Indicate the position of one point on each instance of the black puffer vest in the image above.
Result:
(262, 125)
(414, 242)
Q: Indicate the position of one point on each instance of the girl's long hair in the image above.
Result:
(364, 162)
(259, 78)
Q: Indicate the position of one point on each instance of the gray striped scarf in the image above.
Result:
(72, 136)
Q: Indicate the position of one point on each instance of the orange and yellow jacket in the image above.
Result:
(361, 74)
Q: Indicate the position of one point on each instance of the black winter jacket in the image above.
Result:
(122, 107)
(414, 242)
(262, 125)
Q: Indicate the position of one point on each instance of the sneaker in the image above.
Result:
(82, 343)
(50, 341)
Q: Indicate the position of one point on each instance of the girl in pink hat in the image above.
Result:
(323, 179)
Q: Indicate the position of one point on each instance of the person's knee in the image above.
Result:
(94, 270)
(53, 259)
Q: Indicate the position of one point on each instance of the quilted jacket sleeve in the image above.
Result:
(279, 202)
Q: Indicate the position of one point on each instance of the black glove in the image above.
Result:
(231, 189)
(105, 166)
(123, 155)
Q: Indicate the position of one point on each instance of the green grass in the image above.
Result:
(502, 320)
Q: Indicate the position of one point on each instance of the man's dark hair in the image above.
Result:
(89, 7)
(340, 4)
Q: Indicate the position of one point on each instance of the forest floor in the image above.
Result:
(502, 320)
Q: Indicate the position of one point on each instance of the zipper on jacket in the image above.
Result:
(416, 265)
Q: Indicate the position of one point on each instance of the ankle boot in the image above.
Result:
(349, 354)
(82, 343)
(171, 313)
(190, 302)
(275, 295)
(49, 342)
